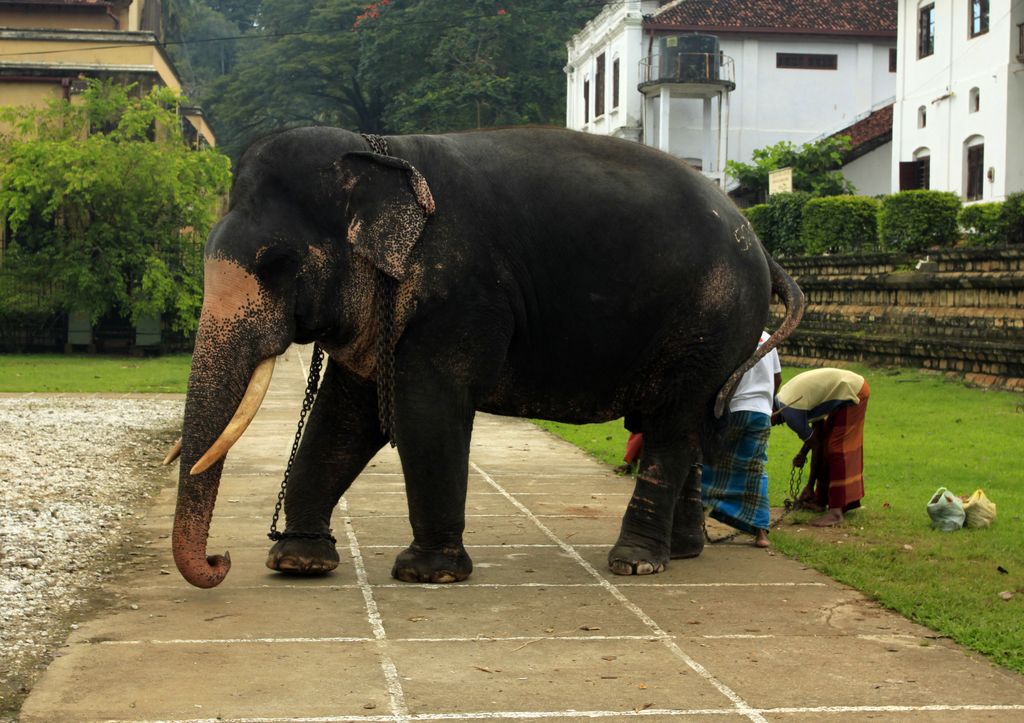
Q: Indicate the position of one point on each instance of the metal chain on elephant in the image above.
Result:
(377, 143)
(796, 476)
(384, 296)
(796, 485)
(384, 303)
(312, 384)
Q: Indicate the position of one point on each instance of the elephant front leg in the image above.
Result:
(645, 541)
(342, 435)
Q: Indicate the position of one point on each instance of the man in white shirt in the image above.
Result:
(734, 486)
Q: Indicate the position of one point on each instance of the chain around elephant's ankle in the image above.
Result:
(303, 536)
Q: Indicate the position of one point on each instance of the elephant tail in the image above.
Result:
(793, 299)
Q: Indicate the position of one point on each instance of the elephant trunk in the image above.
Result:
(216, 414)
(231, 370)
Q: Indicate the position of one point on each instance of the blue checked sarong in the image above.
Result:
(735, 485)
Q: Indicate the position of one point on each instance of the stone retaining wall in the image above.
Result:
(958, 311)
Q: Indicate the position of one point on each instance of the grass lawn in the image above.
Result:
(50, 373)
(922, 432)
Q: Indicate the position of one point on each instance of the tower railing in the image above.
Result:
(685, 67)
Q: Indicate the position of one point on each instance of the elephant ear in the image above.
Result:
(389, 202)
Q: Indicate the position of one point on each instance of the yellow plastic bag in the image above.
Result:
(979, 510)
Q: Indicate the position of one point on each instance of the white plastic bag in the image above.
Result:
(946, 511)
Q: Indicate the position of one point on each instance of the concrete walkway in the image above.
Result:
(542, 631)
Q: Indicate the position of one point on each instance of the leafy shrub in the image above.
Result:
(982, 224)
(815, 167)
(1013, 218)
(917, 220)
(113, 222)
(782, 218)
(837, 224)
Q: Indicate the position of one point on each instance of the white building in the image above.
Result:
(960, 95)
(785, 70)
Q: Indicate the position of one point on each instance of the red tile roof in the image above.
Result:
(868, 129)
(853, 17)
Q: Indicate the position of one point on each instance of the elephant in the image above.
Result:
(529, 272)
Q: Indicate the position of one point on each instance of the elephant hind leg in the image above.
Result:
(644, 546)
(688, 519)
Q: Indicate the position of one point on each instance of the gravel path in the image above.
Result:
(74, 472)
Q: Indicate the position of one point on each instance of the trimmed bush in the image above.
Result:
(758, 215)
(982, 224)
(1013, 218)
(785, 215)
(918, 220)
(839, 224)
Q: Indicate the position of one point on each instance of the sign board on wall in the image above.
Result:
(780, 181)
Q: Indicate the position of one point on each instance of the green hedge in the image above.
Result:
(1013, 218)
(839, 224)
(795, 223)
(918, 220)
(778, 222)
(758, 215)
(982, 224)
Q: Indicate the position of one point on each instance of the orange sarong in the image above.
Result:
(841, 477)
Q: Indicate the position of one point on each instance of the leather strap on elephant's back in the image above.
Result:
(384, 303)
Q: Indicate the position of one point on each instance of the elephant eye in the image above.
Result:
(275, 266)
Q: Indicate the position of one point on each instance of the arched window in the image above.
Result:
(922, 116)
(974, 101)
(915, 174)
(974, 168)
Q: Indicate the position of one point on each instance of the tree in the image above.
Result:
(104, 200)
(298, 66)
(470, 63)
(388, 66)
(814, 167)
(210, 51)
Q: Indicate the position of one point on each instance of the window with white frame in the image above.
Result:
(974, 168)
(916, 174)
(586, 99)
(599, 82)
(615, 83)
(926, 30)
(922, 116)
(978, 22)
(974, 101)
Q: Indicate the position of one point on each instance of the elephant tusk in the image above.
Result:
(247, 408)
(173, 453)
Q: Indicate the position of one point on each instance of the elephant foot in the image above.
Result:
(303, 556)
(687, 544)
(688, 521)
(447, 564)
(633, 560)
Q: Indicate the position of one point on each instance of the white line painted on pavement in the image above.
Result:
(632, 713)
(394, 684)
(742, 706)
(431, 586)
